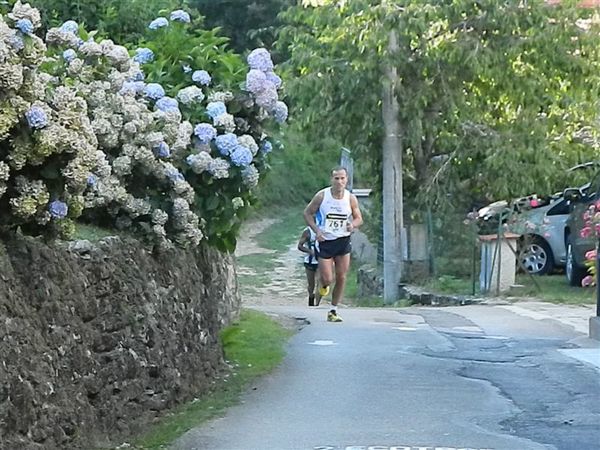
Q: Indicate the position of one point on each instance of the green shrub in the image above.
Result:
(154, 143)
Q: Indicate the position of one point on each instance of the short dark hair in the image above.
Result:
(338, 168)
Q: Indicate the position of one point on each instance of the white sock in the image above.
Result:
(334, 308)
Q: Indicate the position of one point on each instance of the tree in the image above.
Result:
(248, 24)
(488, 91)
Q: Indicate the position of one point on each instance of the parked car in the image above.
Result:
(577, 243)
(540, 222)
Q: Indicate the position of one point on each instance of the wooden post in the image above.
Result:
(392, 182)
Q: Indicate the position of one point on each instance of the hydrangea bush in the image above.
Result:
(166, 140)
(591, 229)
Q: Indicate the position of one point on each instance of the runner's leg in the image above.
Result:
(310, 281)
(326, 271)
(342, 264)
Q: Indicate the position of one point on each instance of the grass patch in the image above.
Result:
(277, 237)
(286, 229)
(92, 233)
(447, 284)
(253, 346)
(260, 262)
(254, 281)
(351, 290)
(553, 289)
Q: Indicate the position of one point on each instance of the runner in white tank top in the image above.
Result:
(333, 214)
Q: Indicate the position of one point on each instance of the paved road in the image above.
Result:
(472, 377)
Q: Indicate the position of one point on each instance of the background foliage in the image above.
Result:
(123, 21)
(249, 24)
(489, 91)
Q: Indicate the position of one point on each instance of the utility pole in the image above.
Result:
(393, 222)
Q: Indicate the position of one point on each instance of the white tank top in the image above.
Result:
(333, 214)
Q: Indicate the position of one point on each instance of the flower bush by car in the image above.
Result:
(91, 132)
(591, 228)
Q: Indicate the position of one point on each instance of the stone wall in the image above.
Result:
(97, 340)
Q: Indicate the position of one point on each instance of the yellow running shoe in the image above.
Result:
(333, 317)
(324, 290)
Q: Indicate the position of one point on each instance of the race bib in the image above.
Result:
(334, 223)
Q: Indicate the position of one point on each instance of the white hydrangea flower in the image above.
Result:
(91, 48)
(122, 166)
(159, 217)
(136, 207)
(237, 203)
(107, 45)
(60, 38)
(219, 168)
(75, 67)
(4, 171)
(153, 139)
(225, 121)
(25, 11)
(248, 141)
(220, 96)
(199, 162)
(11, 76)
(190, 94)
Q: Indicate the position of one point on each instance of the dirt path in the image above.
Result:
(284, 285)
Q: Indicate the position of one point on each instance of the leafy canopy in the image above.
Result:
(493, 95)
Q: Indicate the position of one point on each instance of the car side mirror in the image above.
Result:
(572, 194)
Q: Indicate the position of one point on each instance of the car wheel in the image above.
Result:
(573, 271)
(536, 256)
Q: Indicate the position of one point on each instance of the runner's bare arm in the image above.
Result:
(357, 219)
(303, 240)
(310, 211)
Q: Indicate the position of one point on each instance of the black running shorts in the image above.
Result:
(336, 247)
(312, 267)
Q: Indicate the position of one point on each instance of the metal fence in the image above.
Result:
(439, 246)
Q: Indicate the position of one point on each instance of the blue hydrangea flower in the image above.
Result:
(58, 209)
(167, 104)
(154, 91)
(215, 109)
(159, 22)
(24, 26)
(260, 59)
(250, 176)
(274, 78)
(256, 81)
(173, 174)
(69, 55)
(266, 147)
(205, 132)
(128, 88)
(70, 26)
(163, 150)
(132, 87)
(186, 68)
(137, 76)
(36, 117)
(16, 42)
(202, 77)
(280, 112)
(226, 143)
(143, 55)
(180, 16)
(92, 180)
(241, 156)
